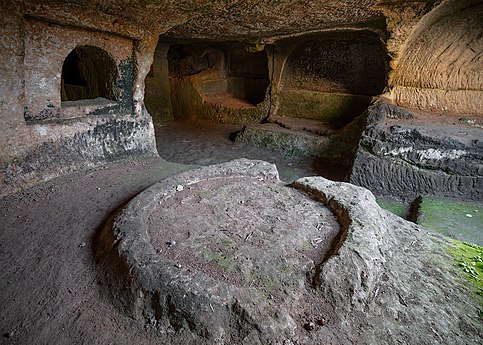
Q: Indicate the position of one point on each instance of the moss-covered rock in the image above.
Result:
(469, 258)
(456, 219)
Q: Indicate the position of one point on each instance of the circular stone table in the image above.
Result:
(226, 251)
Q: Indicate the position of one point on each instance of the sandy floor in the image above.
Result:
(48, 281)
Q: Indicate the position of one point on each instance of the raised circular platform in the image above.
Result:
(224, 249)
(242, 230)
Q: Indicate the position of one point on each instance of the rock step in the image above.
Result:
(293, 143)
(227, 100)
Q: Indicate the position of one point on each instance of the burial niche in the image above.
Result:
(248, 75)
(88, 72)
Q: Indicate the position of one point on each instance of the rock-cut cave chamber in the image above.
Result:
(112, 105)
(352, 92)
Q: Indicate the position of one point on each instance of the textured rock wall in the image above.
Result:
(39, 140)
(157, 92)
(46, 47)
(409, 160)
(261, 21)
(336, 110)
(401, 17)
(64, 147)
(188, 102)
(440, 67)
(390, 281)
(219, 81)
(349, 61)
(329, 76)
(11, 87)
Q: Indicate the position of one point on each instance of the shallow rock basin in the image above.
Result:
(245, 231)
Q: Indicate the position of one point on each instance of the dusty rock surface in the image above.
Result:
(216, 225)
(389, 282)
(223, 250)
(48, 281)
(205, 143)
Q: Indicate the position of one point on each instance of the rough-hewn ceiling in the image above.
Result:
(223, 19)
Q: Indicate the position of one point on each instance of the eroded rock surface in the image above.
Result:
(224, 251)
(409, 157)
(440, 67)
(391, 281)
(380, 280)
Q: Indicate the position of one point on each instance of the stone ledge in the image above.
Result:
(72, 109)
(415, 156)
(295, 144)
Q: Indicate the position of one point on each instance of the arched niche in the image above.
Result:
(440, 67)
(331, 77)
(343, 62)
(89, 72)
(248, 75)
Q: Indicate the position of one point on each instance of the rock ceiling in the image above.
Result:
(220, 20)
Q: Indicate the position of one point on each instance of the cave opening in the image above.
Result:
(318, 85)
(88, 72)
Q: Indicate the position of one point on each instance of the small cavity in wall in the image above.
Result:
(224, 73)
(86, 73)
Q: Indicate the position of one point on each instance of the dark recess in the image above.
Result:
(88, 72)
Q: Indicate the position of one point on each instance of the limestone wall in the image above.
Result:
(436, 49)
(220, 81)
(440, 67)
(407, 159)
(419, 141)
(41, 136)
(157, 91)
(46, 46)
(329, 76)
